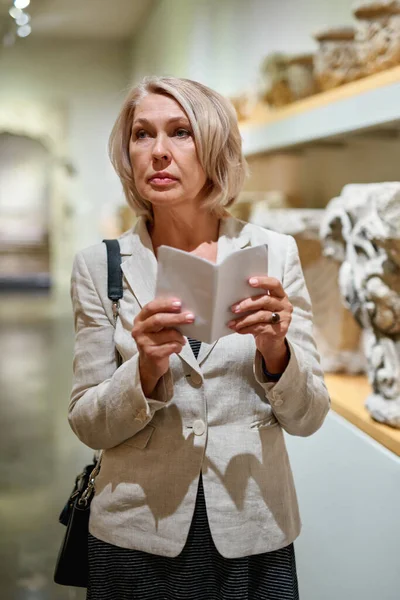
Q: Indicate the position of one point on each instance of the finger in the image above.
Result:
(159, 352)
(161, 321)
(163, 305)
(260, 317)
(274, 331)
(271, 284)
(264, 302)
(166, 336)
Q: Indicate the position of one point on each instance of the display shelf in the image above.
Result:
(348, 394)
(372, 102)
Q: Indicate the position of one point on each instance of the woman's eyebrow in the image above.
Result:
(143, 121)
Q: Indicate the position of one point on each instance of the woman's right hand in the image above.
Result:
(156, 338)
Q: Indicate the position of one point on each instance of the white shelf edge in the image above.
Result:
(372, 108)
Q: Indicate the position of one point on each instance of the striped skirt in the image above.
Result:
(198, 573)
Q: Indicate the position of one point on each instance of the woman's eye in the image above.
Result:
(141, 134)
(182, 133)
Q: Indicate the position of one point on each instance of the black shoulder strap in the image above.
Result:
(114, 277)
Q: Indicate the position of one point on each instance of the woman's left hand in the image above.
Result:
(272, 305)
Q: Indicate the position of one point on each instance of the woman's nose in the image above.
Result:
(160, 149)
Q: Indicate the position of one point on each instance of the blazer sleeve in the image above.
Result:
(299, 399)
(107, 404)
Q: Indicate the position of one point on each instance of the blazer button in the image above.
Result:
(196, 379)
(199, 427)
(278, 401)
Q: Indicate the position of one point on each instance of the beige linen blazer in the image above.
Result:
(218, 414)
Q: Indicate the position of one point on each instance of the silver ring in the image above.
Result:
(275, 318)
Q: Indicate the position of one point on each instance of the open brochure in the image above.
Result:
(207, 289)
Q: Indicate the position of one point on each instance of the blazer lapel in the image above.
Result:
(139, 264)
(233, 235)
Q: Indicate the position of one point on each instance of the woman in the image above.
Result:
(189, 426)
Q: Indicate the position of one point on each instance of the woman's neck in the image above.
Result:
(191, 233)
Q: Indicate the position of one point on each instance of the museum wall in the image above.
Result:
(81, 85)
(222, 43)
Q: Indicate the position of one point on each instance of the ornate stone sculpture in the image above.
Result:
(361, 230)
(335, 331)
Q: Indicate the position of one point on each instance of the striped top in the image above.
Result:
(195, 346)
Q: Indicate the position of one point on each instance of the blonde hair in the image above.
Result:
(216, 136)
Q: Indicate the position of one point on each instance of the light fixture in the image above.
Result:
(24, 31)
(21, 3)
(23, 19)
(14, 12)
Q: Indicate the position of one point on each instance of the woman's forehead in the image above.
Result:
(158, 106)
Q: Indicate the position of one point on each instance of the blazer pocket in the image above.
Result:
(140, 439)
(266, 423)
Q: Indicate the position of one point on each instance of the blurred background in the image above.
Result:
(316, 85)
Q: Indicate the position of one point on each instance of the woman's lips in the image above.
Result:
(162, 181)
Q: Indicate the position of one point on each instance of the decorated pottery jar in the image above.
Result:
(337, 61)
(275, 89)
(378, 34)
(300, 76)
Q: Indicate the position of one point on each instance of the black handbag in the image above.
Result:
(72, 562)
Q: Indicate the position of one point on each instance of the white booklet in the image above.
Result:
(207, 289)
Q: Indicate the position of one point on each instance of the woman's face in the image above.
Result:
(163, 155)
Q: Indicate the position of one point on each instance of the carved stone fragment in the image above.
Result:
(361, 231)
(337, 335)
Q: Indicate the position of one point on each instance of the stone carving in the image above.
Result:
(337, 335)
(337, 61)
(304, 222)
(378, 34)
(361, 230)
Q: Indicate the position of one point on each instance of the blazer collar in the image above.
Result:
(139, 265)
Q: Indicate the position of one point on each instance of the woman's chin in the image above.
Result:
(165, 198)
